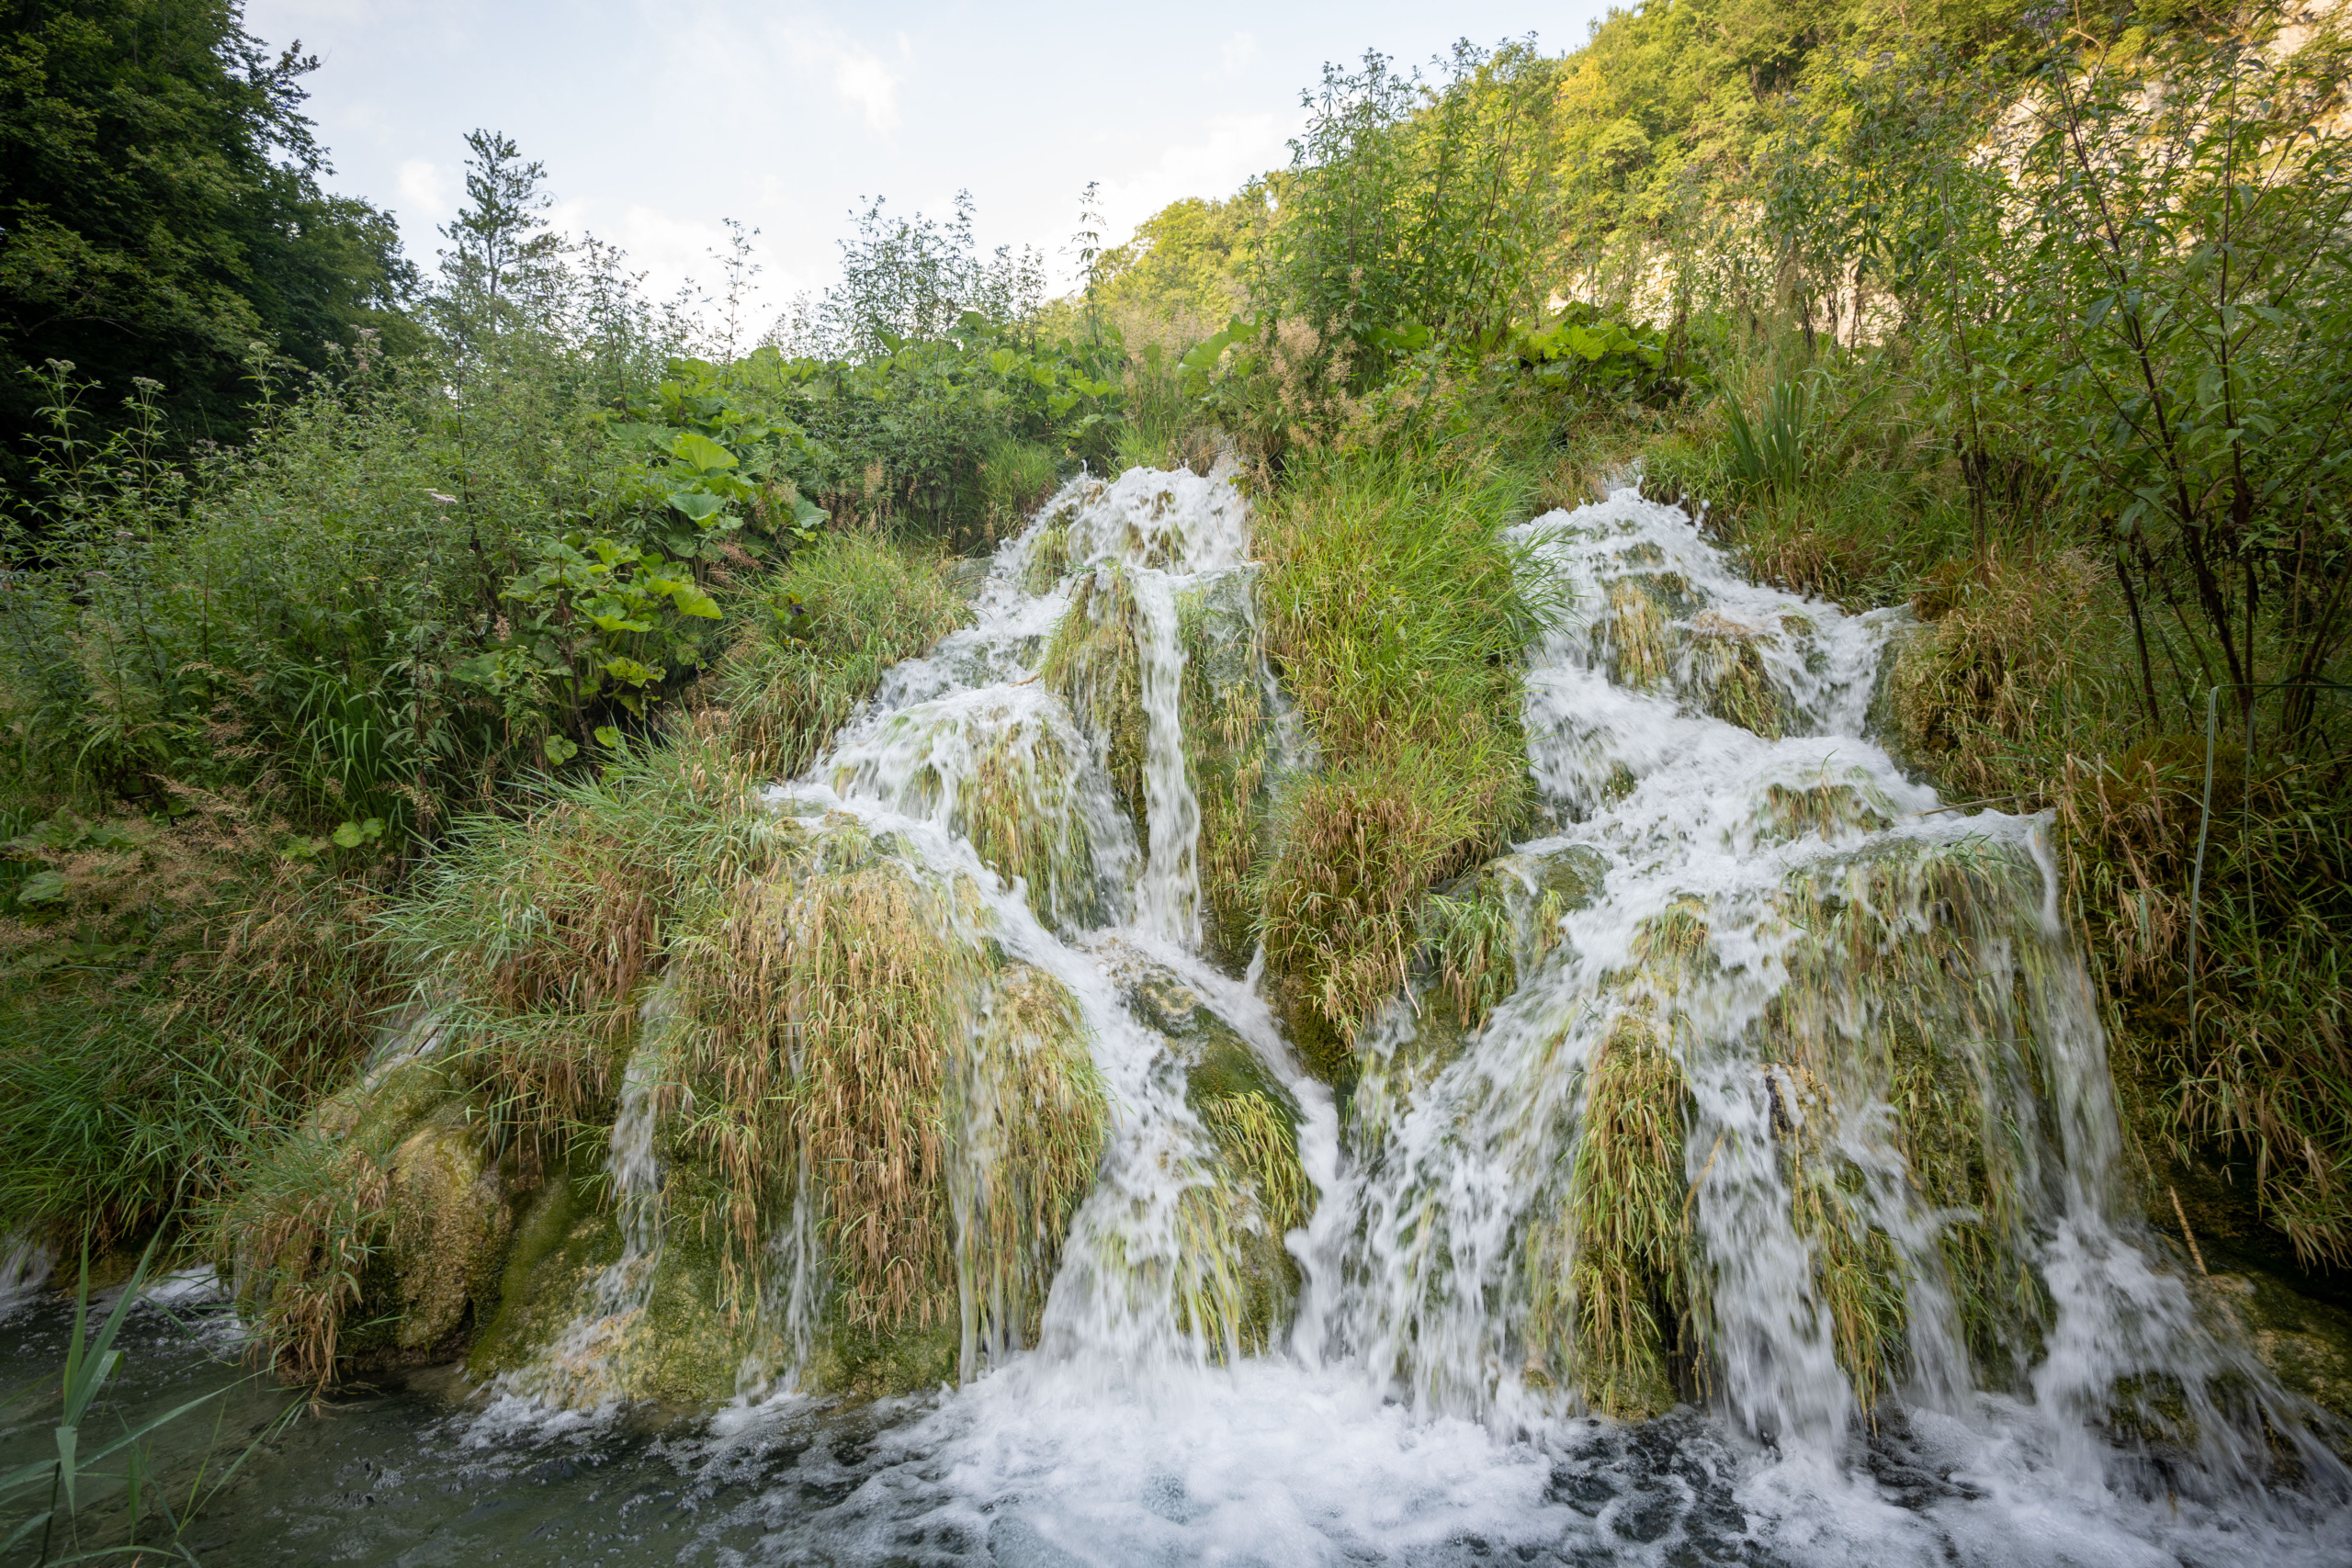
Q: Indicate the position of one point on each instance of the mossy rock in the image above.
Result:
(1572, 873)
(451, 1221)
(859, 1363)
(679, 1349)
(1909, 651)
(2305, 1344)
(448, 1210)
(387, 1101)
(560, 1242)
(1247, 1292)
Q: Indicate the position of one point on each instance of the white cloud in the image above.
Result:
(719, 54)
(1238, 50)
(1234, 147)
(860, 78)
(428, 191)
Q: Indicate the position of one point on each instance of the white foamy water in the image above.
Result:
(1402, 1423)
(24, 1267)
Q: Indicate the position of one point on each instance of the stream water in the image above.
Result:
(1404, 1418)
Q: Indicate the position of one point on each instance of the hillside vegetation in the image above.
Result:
(2034, 320)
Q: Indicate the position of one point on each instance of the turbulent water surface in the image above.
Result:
(1405, 1419)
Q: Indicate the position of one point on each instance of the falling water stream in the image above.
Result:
(1679, 889)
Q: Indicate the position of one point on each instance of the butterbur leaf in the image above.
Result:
(630, 671)
(41, 887)
(608, 738)
(700, 451)
(559, 750)
(700, 505)
(351, 835)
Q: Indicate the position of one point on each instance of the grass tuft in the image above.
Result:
(1396, 618)
(1610, 1298)
(1093, 665)
(832, 621)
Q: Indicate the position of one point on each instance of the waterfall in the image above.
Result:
(1103, 892)
(1738, 1179)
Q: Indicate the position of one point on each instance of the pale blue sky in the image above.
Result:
(655, 121)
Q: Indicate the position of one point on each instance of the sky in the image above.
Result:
(657, 121)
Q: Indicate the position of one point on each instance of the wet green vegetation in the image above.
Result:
(377, 792)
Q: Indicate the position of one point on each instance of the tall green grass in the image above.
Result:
(828, 625)
(1397, 618)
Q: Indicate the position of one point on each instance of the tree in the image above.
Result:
(503, 259)
(161, 213)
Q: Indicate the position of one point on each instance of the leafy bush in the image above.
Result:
(1412, 205)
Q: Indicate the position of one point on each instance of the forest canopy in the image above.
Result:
(162, 214)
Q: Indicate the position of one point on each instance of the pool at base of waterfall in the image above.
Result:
(1271, 1462)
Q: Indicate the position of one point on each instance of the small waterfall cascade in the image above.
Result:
(25, 1267)
(1786, 1092)
(1738, 1180)
(585, 1365)
(1037, 765)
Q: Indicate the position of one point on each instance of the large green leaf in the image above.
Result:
(699, 451)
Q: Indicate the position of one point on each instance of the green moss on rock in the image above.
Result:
(1241, 1285)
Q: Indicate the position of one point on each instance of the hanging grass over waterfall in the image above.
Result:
(1610, 1310)
(1396, 620)
(826, 626)
(1093, 664)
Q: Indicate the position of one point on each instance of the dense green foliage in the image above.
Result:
(162, 215)
(246, 690)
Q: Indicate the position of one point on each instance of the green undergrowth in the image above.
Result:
(173, 989)
(1395, 618)
(833, 620)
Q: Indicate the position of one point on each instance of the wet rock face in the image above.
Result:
(451, 1221)
(2305, 1344)
(1219, 1064)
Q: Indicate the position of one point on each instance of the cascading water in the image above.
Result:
(1738, 1185)
(1747, 897)
(922, 769)
(579, 1369)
